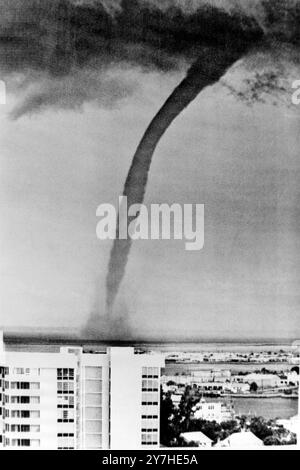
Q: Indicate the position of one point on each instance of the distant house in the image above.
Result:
(292, 424)
(197, 437)
(293, 378)
(262, 380)
(212, 411)
(197, 377)
(176, 399)
(237, 387)
(241, 440)
(213, 375)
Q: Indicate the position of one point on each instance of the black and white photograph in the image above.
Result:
(149, 227)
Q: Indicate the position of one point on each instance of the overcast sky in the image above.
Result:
(241, 162)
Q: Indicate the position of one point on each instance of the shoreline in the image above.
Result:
(275, 363)
(255, 397)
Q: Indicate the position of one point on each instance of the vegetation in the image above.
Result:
(175, 421)
(253, 387)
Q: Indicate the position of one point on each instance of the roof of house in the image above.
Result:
(242, 439)
(196, 436)
(292, 424)
(262, 376)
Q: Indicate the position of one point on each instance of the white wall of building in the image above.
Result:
(101, 393)
(38, 369)
(125, 399)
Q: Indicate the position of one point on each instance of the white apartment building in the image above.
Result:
(71, 399)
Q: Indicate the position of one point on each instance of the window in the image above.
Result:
(65, 416)
(93, 426)
(93, 373)
(24, 385)
(93, 413)
(65, 387)
(65, 374)
(25, 428)
(34, 400)
(93, 399)
(149, 398)
(150, 438)
(150, 372)
(93, 386)
(35, 428)
(34, 443)
(25, 414)
(150, 385)
(25, 399)
(150, 410)
(34, 386)
(20, 385)
(20, 428)
(64, 401)
(148, 424)
(25, 442)
(65, 441)
(20, 442)
(93, 441)
(25, 371)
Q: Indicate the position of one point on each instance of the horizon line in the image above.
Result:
(56, 338)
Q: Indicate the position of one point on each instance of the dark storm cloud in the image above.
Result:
(58, 35)
(58, 53)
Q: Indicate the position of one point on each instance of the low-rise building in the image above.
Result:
(176, 399)
(262, 380)
(292, 424)
(241, 440)
(197, 438)
(213, 411)
(292, 378)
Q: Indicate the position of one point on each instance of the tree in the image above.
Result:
(188, 401)
(167, 412)
(182, 443)
(253, 387)
(272, 441)
(295, 369)
(260, 428)
(170, 383)
(243, 419)
(211, 429)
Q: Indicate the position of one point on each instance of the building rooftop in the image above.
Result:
(241, 440)
(197, 437)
